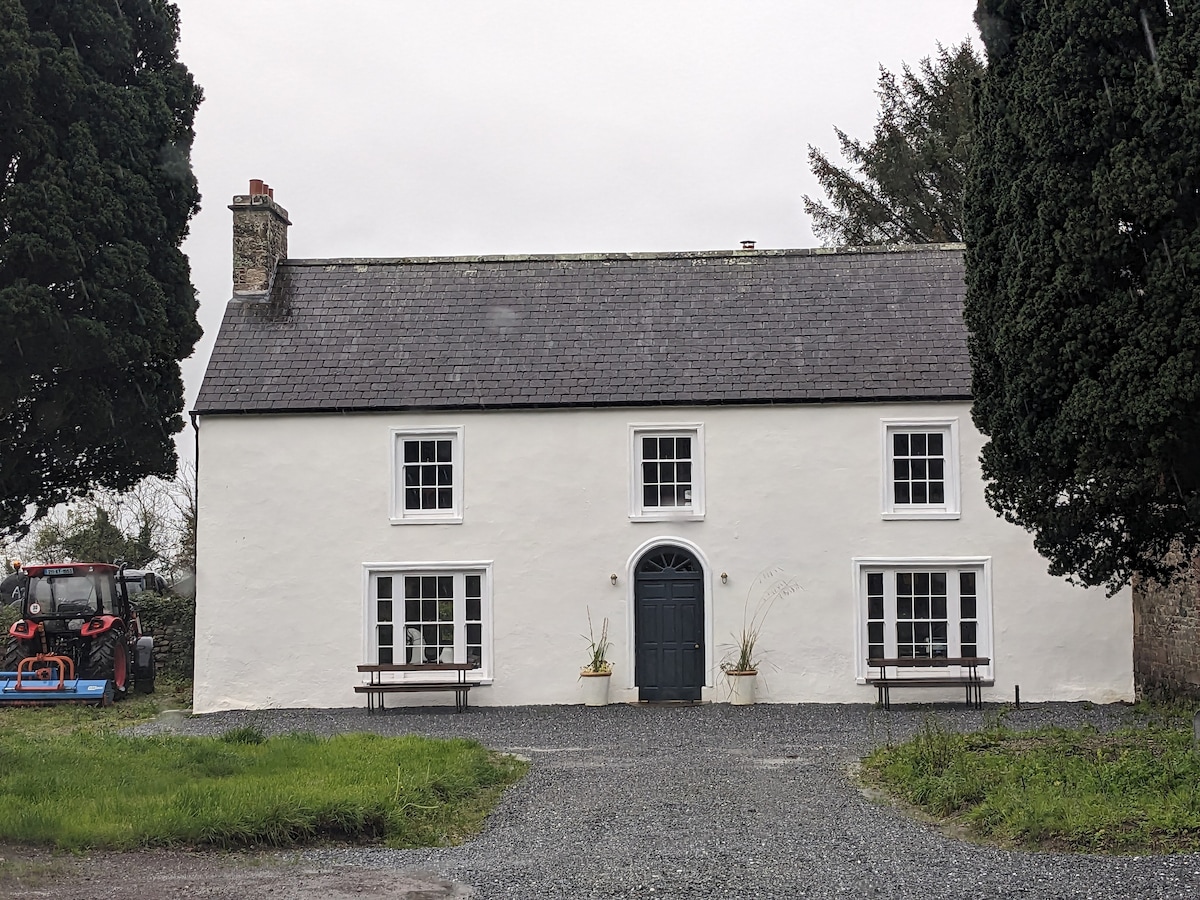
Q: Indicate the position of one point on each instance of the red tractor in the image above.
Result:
(77, 618)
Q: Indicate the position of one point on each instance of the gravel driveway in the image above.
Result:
(717, 801)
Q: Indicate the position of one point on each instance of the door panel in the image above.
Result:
(669, 635)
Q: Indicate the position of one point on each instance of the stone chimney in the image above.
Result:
(259, 241)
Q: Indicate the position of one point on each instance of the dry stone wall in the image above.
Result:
(1166, 636)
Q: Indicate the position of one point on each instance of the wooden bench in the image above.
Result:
(968, 678)
(377, 687)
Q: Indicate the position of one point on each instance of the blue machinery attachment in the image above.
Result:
(48, 679)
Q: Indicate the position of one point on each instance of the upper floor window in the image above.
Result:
(427, 475)
(920, 477)
(668, 472)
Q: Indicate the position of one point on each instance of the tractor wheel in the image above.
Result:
(17, 651)
(143, 682)
(109, 659)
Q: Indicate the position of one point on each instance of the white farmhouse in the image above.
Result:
(458, 459)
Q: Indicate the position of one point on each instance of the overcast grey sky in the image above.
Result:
(404, 128)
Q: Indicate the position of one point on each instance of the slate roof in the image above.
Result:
(743, 327)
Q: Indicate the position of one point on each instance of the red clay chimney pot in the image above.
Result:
(256, 186)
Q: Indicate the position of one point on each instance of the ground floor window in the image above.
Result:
(430, 613)
(922, 608)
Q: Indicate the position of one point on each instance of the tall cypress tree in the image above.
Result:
(96, 191)
(1083, 305)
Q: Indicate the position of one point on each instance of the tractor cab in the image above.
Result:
(63, 596)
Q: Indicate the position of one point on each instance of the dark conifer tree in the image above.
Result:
(1083, 305)
(906, 185)
(96, 303)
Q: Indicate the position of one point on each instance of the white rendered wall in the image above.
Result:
(291, 507)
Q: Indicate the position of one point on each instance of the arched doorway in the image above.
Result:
(668, 622)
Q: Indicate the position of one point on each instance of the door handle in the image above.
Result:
(697, 646)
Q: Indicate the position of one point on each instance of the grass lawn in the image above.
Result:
(69, 779)
(1136, 790)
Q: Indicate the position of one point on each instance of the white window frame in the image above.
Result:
(984, 636)
(398, 570)
(952, 507)
(638, 511)
(401, 516)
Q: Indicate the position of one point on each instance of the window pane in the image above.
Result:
(445, 475)
(445, 586)
(428, 610)
(875, 632)
(904, 632)
(938, 607)
(935, 444)
(383, 610)
(683, 471)
(666, 495)
(666, 473)
(474, 584)
(412, 451)
(412, 586)
(903, 495)
(937, 583)
(900, 444)
(683, 448)
(412, 610)
(919, 494)
(874, 607)
(473, 609)
(474, 634)
(649, 473)
(916, 443)
(385, 635)
(936, 467)
(650, 496)
(428, 451)
(968, 607)
(429, 498)
(412, 498)
(917, 467)
(649, 448)
(445, 498)
(967, 632)
(904, 583)
(966, 582)
(937, 493)
(921, 583)
(446, 635)
(921, 608)
(875, 583)
(385, 656)
(383, 587)
(443, 451)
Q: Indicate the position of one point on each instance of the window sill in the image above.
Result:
(665, 516)
(901, 515)
(428, 520)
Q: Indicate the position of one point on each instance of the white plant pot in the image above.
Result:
(595, 688)
(741, 688)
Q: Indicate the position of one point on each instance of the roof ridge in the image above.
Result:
(600, 257)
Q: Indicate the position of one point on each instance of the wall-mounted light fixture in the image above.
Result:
(724, 577)
(613, 577)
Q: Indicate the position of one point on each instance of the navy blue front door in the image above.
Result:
(669, 625)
